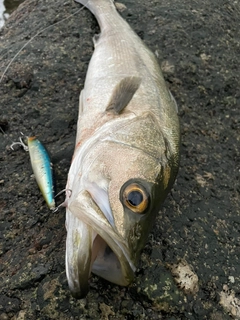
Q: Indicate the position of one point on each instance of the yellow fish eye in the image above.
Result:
(135, 198)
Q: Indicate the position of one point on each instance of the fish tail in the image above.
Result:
(97, 6)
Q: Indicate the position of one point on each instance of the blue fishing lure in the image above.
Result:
(42, 169)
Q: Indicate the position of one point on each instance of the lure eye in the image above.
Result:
(135, 198)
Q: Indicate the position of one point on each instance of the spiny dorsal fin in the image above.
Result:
(123, 93)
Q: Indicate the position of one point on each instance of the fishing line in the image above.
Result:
(37, 34)
(41, 147)
(17, 54)
(30, 40)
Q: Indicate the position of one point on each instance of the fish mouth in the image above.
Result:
(93, 245)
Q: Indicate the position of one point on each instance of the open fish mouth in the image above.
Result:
(93, 246)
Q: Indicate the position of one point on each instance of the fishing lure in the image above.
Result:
(42, 168)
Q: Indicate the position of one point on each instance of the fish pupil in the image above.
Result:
(135, 198)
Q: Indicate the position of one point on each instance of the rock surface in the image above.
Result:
(190, 266)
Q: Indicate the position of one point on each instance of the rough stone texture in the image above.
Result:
(198, 44)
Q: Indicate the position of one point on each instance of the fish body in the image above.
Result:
(126, 155)
(42, 169)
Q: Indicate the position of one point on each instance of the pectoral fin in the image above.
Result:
(81, 102)
(123, 93)
(174, 101)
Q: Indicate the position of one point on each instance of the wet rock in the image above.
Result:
(159, 287)
(8, 305)
(27, 276)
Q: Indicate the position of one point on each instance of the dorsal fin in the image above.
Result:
(123, 93)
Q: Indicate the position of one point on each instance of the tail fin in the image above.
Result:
(95, 5)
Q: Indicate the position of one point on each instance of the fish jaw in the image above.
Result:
(78, 256)
(92, 245)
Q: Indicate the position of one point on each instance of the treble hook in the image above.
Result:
(63, 204)
(20, 143)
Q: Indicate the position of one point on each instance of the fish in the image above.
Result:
(126, 155)
(42, 169)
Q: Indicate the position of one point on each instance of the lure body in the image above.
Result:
(42, 169)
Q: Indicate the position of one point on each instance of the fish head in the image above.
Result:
(118, 185)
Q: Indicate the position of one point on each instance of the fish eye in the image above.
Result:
(135, 197)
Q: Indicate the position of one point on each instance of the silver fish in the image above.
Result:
(126, 155)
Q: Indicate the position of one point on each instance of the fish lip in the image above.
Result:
(75, 290)
(78, 279)
(77, 262)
